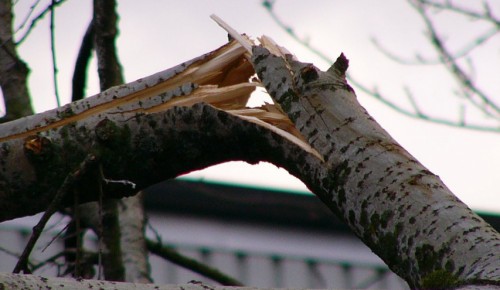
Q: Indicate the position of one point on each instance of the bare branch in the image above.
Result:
(354, 181)
(420, 60)
(36, 19)
(28, 15)
(268, 5)
(110, 74)
(79, 79)
(170, 254)
(413, 102)
(450, 6)
(416, 114)
(412, 114)
(13, 71)
(68, 183)
(53, 52)
(454, 68)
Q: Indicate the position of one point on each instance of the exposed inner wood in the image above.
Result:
(223, 78)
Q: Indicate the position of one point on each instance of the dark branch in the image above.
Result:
(449, 6)
(36, 19)
(453, 67)
(170, 254)
(82, 61)
(415, 113)
(53, 52)
(13, 71)
(110, 74)
(68, 183)
(420, 60)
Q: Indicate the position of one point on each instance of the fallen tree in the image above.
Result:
(192, 116)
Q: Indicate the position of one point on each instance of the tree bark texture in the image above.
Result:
(106, 31)
(151, 130)
(401, 210)
(110, 74)
(132, 235)
(38, 151)
(17, 281)
(143, 149)
(13, 71)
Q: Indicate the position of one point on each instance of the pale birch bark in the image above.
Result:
(17, 281)
(401, 210)
(132, 235)
(142, 149)
(138, 128)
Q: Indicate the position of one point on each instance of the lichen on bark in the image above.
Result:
(392, 202)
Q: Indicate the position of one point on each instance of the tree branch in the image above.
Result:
(69, 182)
(13, 71)
(173, 256)
(53, 52)
(486, 105)
(110, 74)
(35, 20)
(402, 211)
(138, 124)
(192, 116)
(79, 80)
(386, 100)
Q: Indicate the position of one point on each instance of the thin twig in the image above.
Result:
(55, 238)
(413, 103)
(453, 66)
(419, 60)
(175, 257)
(89, 255)
(155, 232)
(462, 115)
(449, 6)
(373, 93)
(465, 50)
(5, 41)
(37, 18)
(50, 260)
(79, 246)
(9, 252)
(68, 182)
(288, 29)
(25, 21)
(53, 50)
(383, 99)
(100, 230)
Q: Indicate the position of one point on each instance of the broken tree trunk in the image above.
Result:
(401, 210)
(194, 115)
(173, 122)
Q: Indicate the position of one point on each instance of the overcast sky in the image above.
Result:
(156, 35)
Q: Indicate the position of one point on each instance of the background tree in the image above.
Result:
(458, 62)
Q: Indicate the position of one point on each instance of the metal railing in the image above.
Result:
(268, 269)
(259, 269)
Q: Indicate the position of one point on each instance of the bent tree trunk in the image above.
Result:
(401, 210)
(193, 116)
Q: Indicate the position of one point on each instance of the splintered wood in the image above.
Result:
(226, 79)
(228, 87)
(223, 78)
